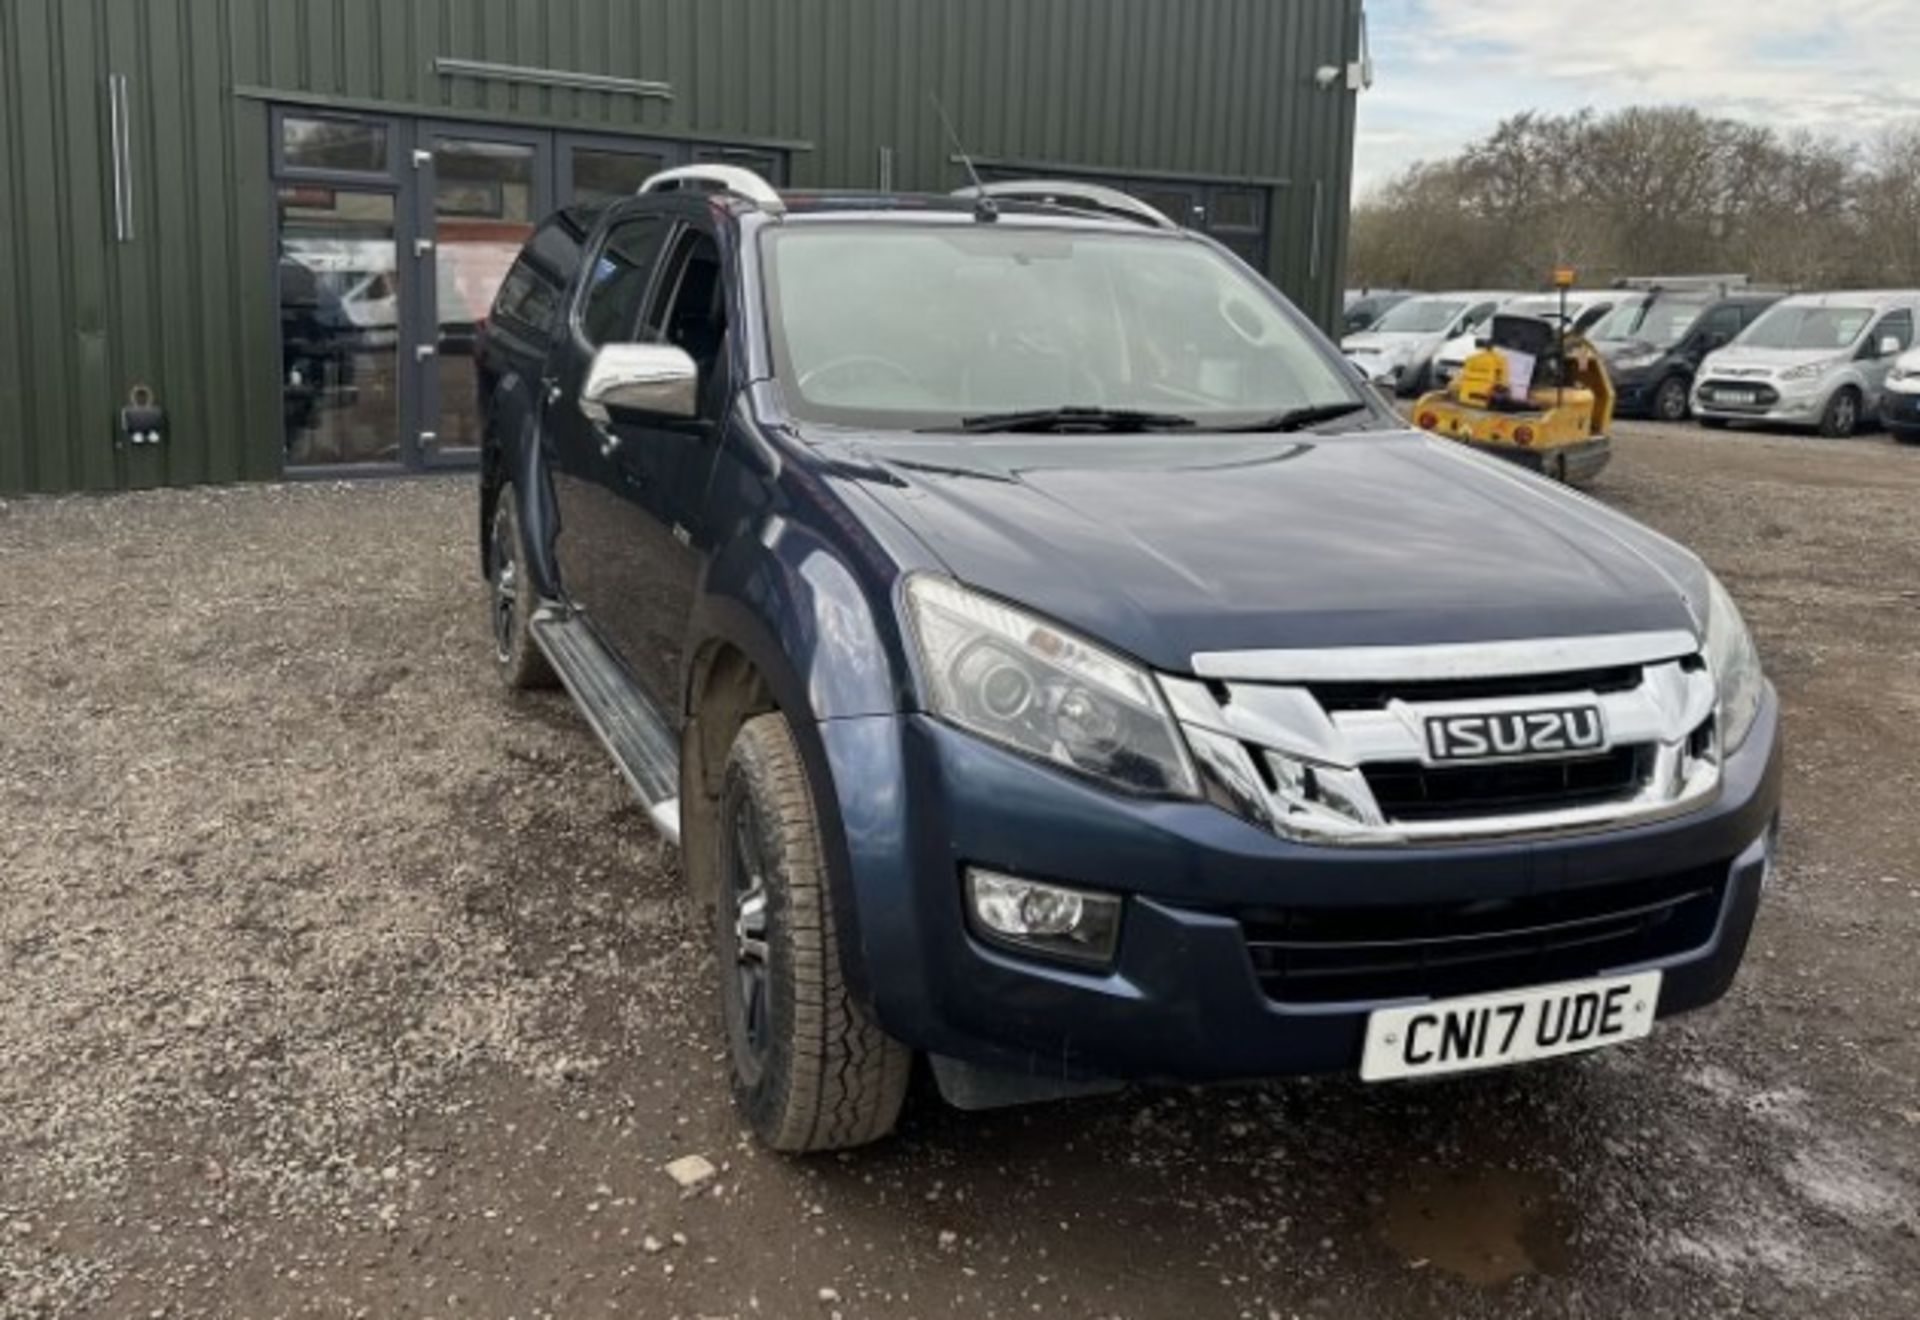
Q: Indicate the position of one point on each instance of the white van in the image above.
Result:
(1815, 359)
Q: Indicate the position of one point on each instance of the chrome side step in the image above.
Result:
(641, 743)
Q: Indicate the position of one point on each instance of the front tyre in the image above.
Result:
(1670, 400)
(1842, 417)
(810, 1070)
(511, 600)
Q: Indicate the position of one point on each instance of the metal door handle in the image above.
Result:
(421, 352)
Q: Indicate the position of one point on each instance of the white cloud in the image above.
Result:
(1448, 70)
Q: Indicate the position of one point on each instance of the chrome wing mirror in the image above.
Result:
(649, 378)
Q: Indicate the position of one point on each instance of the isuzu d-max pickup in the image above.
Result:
(1055, 663)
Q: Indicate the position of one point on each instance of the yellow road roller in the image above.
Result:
(1532, 393)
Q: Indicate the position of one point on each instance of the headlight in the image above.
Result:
(1898, 372)
(1736, 667)
(1812, 371)
(1635, 361)
(1035, 687)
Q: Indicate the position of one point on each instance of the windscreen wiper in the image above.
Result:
(1076, 419)
(1299, 419)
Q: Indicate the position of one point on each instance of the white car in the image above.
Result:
(1815, 360)
(1900, 398)
(1396, 353)
(1584, 307)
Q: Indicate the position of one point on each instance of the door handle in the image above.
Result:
(553, 393)
(609, 443)
(421, 352)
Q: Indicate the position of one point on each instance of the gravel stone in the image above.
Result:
(336, 981)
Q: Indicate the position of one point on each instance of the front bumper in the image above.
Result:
(920, 801)
(1781, 403)
(1900, 410)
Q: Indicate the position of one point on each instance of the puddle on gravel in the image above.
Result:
(1487, 1227)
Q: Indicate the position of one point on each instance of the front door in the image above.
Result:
(601, 570)
(631, 489)
(1896, 326)
(664, 465)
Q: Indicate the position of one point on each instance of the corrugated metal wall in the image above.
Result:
(1221, 88)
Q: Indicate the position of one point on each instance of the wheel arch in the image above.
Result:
(511, 453)
(792, 630)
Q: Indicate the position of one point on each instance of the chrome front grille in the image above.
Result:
(1332, 747)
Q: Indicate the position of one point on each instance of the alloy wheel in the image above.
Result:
(1673, 401)
(505, 584)
(748, 1008)
(1846, 415)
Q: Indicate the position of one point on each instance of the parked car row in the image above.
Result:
(1830, 362)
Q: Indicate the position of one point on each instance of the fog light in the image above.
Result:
(1077, 925)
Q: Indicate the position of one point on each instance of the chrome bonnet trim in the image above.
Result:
(1502, 659)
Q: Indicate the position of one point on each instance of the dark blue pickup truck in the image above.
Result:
(1053, 662)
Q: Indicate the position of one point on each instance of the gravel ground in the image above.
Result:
(337, 982)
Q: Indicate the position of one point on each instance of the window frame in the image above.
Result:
(1870, 348)
(767, 338)
(391, 128)
(614, 222)
(560, 282)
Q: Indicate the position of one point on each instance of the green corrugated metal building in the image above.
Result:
(279, 219)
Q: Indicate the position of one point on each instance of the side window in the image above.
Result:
(1722, 324)
(1896, 325)
(610, 312)
(534, 287)
(1585, 320)
(689, 309)
(1479, 315)
(526, 295)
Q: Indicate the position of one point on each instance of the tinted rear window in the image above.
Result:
(535, 288)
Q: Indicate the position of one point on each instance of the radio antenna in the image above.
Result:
(984, 209)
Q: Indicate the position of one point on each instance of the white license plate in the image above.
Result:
(1491, 1031)
(1745, 397)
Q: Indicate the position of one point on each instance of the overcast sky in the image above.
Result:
(1447, 70)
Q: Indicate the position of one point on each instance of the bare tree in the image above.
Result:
(1647, 190)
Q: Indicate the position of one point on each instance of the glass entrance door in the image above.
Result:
(393, 237)
(481, 195)
(482, 192)
(340, 305)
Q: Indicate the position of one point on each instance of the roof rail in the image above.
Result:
(735, 179)
(1073, 195)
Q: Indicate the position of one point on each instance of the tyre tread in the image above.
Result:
(845, 1080)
